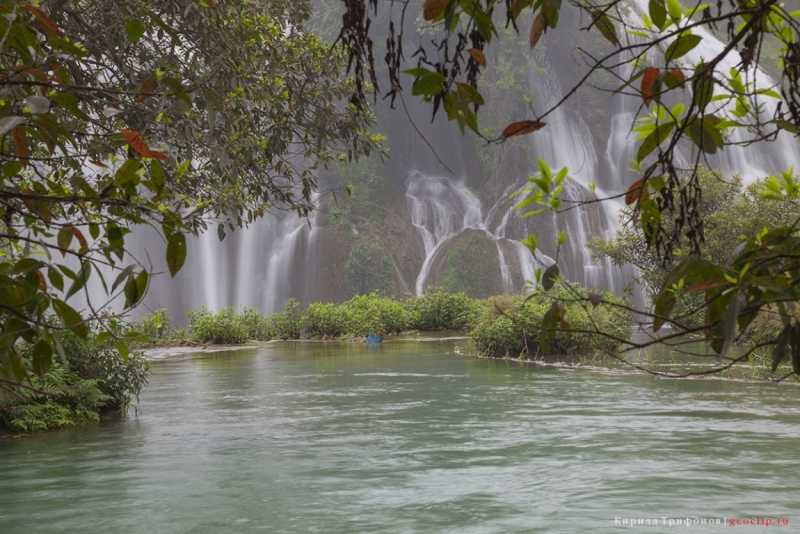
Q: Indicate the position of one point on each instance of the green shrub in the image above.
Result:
(436, 309)
(256, 325)
(325, 320)
(287, 324)
(224, 327)
(68, 400)
(373, 314)
(118, 378)
(689, 309)
(506, 327)
(155, 325)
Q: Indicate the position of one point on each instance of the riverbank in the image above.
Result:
(503, 325)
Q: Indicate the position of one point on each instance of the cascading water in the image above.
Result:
(272, 260)
(441, 209)
(752, 162)
(568, 143)
(259, 267)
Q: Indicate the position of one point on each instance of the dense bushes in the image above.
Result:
(95, 380)
(499, 325)
(223, 327)
(507, 328)
(62, 399)
(436, 309)
(120, 379)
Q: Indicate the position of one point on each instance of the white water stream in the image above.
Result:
(441, 209)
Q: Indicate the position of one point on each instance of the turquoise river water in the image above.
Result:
(412, 437)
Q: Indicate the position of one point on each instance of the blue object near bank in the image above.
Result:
(373, 338)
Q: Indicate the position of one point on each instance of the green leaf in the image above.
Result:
(419, 72)
(517, 6)
(26, 265)
(122, 276)
(472, 94)
(658, 14)
(674, 9)
(788, 126)
(141, 283)
(127, 173)
(64, 239)
(681, 46)
(81, 277)
(131, 291)
(652, 141)
(482, 21)
(41, 357)
(71, 318)
(176, 252)
(55, 278)
(134, 29)
(157, 173)
(702, 86)
(550, 322)
(102, 337)
(606, 27)
(550, 277)
(731, 320)
(779, 350)
(530, 242)
(550, 12)
(706, 134)
(430, 85)
(122, 348)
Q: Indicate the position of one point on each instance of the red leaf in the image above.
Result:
(648, 81)
(33, 72)
(136, 142)
(155, 154)
(50, 27)
(42, 283)
(522, 128)
(146, 89)
(21, 144)
(707, 284)
(634, 192)
(679, 76)
(77, 233)
(478, 56)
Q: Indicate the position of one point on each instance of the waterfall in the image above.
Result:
(442, 208)
(751, 162)
(275, 258)
(567, 142)
(261, 266)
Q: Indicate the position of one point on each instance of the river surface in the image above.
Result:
(410, 437)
